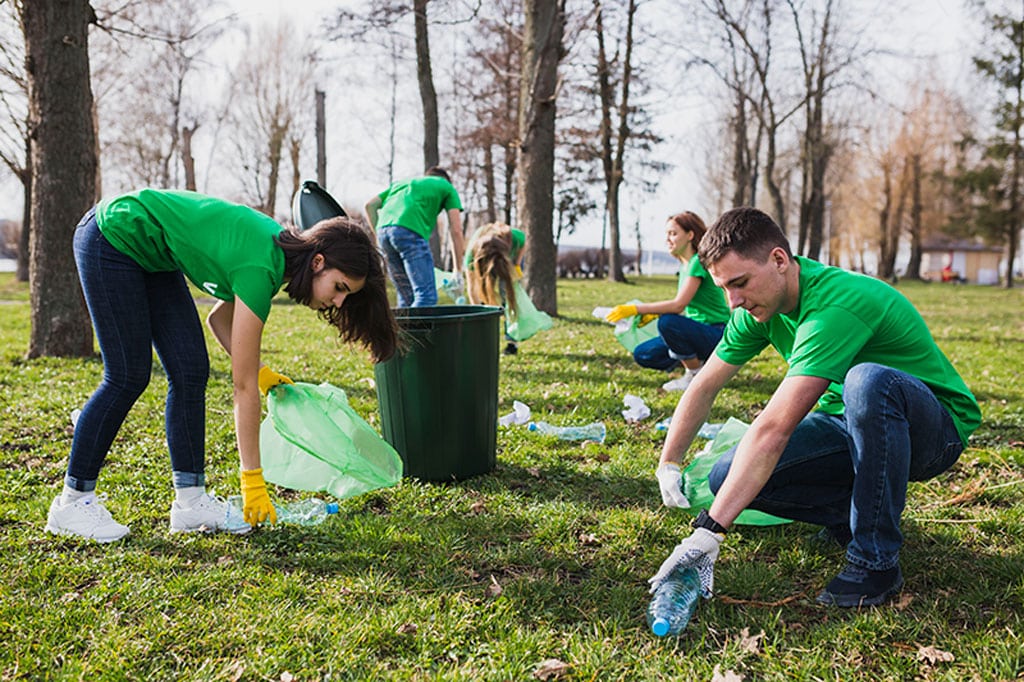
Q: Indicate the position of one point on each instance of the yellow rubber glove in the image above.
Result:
(256, 504)
(518, 272)
(647, 318)
(268, 378)
(621, 312)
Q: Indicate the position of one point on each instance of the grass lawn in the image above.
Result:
(492, 578)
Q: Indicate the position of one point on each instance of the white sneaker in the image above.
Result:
(208, 514)
(85, 517)
(680, 384)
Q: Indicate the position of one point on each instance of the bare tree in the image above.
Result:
(15, 142)
(272, 109)
(542, 51)
(63, 170)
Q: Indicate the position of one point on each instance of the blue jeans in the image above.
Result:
(410, 265)
(854, 469)
(134, 311)
(679, 338)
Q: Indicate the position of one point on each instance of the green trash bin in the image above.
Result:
(439, 398)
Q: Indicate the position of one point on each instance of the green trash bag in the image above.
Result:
(635, 335)
(526, 320)
(695, 476)
(313, 440)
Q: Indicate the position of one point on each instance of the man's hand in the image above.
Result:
(268, 378)
(670, 480)
(621, 312)
(698, 551)
(256, 504)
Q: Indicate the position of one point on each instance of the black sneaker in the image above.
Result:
(511, 349)
(831, 537)
(855, 587)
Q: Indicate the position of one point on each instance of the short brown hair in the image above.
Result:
(749, 232)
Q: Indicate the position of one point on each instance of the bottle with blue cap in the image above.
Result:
(595, 432)
(307, 512)
(674, 602)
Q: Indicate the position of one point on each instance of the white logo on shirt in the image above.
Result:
(211, 287)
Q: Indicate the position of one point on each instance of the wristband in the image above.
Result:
(704, 520)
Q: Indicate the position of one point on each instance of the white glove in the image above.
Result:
(670, 479)
(698, 551)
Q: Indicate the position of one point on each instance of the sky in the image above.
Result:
(935, 25)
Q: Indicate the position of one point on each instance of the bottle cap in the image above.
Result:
(331, 508)
(532, 426)
(660, 627)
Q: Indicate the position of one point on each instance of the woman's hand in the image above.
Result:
(621, 312)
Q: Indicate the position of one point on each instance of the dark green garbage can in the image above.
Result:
(439, 398)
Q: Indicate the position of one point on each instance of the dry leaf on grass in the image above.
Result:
(552, 669)
(748, 644)
(728, 676)
(931, 655)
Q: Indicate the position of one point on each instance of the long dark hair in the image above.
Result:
(365, 317)
(490, 275)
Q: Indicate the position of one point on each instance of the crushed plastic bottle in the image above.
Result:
(674, 602)
(310, 511)
(453, 287)
(595, 432)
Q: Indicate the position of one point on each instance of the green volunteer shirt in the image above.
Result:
(518, 242)
(225, 249)
(414, 204)
(843, 319)
(708, 303)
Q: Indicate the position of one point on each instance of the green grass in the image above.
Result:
(545, 558)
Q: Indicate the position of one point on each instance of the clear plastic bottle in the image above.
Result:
(595, 431)
(310, 511)
(453, 287)
(674, 602)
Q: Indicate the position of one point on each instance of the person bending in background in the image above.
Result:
(689, 325)
(405, 215)
(494, 260)
(890, 409)
(133, 254)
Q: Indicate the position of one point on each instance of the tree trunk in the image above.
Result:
(542, 51)
(26, 215)
(321, 138)
(916, 228)
(428, 95)
(187, 160)
(63, 167)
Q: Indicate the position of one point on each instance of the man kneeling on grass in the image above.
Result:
(890, 409)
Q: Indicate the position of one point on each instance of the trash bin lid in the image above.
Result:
(312, 203)
(446, 313)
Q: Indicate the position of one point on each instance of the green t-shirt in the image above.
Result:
(518, 242)
(843, 319)
(225, 249)
(414, 204)
(708, 303)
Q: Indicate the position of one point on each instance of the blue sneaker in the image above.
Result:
(856, 586)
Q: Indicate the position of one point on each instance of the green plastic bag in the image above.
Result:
(635, 334)
(526, 320)
(695, 476)
(312, 439)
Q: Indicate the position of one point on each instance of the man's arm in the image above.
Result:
(372, 206)
(458, 242)
(762, 445)
(694, 407)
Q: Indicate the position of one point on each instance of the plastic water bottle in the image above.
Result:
(674, 602)
(453, 287)
(307, 512)
(595, 431)
(708, 430)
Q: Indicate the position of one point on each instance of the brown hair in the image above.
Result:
(747, 231)
(688, 221)
(489, 276)
(365, 316)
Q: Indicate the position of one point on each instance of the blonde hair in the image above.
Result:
(491, 269)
